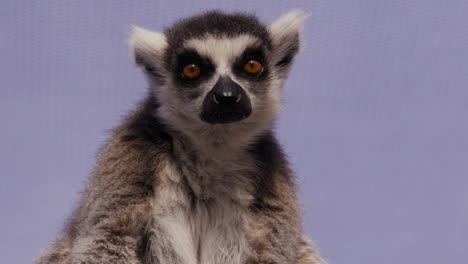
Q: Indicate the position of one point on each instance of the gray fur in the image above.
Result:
(170, 188)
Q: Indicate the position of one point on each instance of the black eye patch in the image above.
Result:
(251, 54)
(188, 57)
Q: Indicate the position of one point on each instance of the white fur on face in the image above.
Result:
(223, 50)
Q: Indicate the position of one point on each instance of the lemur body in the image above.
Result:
(195, 174)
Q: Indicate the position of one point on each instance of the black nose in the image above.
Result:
(227, 102)
(227, 92)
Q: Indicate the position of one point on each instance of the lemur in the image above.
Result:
(195, 175)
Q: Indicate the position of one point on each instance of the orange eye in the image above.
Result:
(191, 71)
(253, 67)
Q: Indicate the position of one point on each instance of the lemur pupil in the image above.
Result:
(191, 71)
(253, 67)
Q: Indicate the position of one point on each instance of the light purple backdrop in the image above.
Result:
(375, 118)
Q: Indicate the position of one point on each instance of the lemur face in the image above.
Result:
(224, 77)
(219, 69)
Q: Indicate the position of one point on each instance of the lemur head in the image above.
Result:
(217, 71)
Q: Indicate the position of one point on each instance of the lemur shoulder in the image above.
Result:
(195, 174)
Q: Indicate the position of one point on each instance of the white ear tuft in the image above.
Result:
(146, 45)
(290, 23)
(285, 35)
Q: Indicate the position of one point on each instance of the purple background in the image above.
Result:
(375, 118)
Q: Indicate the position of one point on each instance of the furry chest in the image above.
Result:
(197, 230)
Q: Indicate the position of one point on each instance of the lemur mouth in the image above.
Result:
(223, 117)
(226, 103)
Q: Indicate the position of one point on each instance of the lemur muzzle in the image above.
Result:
(227, 102)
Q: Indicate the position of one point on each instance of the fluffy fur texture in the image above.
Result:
(170, 188)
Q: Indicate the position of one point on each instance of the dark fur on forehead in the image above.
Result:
(216, 23)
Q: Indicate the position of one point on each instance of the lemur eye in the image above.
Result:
(253, 67)
(191, 71)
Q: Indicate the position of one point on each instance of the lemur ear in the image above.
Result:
(285, 34)
(147, 47)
